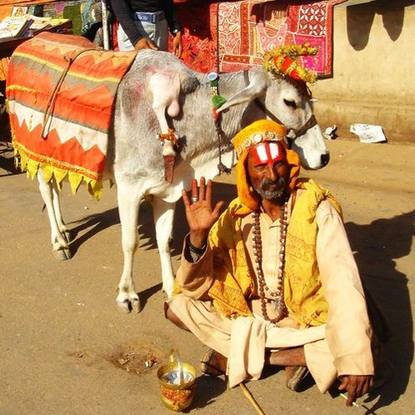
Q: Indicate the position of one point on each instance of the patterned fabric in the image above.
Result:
(199, 38)
(60, 93)
(232, 35)
(24, 2)
(313, 23)
(91, 14)
(4, 64)
(247, 29)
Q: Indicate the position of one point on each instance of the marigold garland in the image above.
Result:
(282, 61)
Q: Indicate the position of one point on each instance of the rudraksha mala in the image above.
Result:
(277, 296)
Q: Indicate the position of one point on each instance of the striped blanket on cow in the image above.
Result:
(61, 92)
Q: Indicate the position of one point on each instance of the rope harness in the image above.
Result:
(51, 103)
(217, 102)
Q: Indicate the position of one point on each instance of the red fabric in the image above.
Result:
(69, 156)
(233, 35)
(247, 29)
(199, 38)
(81, 112)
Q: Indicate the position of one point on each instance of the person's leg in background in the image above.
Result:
(124, 44)
(158, 33)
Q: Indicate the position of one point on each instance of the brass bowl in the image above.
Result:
(175, 396)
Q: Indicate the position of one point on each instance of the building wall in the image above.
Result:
(373, 70)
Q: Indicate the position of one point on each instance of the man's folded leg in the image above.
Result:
(297, 348)
(201, 318)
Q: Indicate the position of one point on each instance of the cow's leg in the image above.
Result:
(128, 205)
(163, 219)
(59, 244)
(56, 198)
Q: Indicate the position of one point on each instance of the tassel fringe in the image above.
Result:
(50, 171)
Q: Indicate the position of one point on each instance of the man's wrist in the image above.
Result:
(198, 240)
(191, 253)
(196, 250)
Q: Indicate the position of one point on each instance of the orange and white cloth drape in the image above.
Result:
(61, 92)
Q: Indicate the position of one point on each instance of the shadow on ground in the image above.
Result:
(378, 245)
(95, 223)
(92, 225)
(7, 160)
(208, 388)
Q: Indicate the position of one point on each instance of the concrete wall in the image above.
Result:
(373, 70)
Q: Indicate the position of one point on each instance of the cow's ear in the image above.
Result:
(258, 84)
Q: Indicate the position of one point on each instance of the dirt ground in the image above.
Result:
(66, 349)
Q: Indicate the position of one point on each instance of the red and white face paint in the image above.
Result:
(268, 152)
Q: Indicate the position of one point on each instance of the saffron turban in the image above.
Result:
(252, 135)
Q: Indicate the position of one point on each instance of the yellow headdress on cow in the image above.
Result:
(283, 61)
(253, 134)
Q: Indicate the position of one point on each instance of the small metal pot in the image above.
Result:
(177, 395)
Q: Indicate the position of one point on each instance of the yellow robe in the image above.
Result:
(303, 294)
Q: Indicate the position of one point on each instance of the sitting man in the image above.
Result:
(273, 279)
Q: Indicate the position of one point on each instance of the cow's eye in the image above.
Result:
(290, 103)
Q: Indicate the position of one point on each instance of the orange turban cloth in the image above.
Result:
(253, 134)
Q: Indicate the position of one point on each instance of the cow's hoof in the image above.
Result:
(124, 306)
(136, 305)
(130, 304)
(62, 254)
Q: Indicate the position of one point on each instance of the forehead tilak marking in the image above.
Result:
(274, 150)
(256, 139)
(261, 152)
(266, 152)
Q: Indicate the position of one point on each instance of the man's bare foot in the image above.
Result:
(295, 376)
(213, 363)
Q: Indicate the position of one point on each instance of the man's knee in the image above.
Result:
(169, 315)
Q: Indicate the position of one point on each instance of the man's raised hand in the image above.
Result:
(199, 212)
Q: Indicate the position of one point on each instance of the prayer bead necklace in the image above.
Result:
(278, 295)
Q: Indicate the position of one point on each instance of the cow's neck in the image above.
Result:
(197, 127)
(201, 137)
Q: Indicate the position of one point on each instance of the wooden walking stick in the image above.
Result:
(251, 399)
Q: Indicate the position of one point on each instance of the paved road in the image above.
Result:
(62, 338)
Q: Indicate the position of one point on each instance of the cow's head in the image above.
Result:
(287, 102)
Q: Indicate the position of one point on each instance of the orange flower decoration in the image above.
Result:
(283, 61)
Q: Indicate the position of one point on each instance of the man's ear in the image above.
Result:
(257, 87)
(248, 178)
